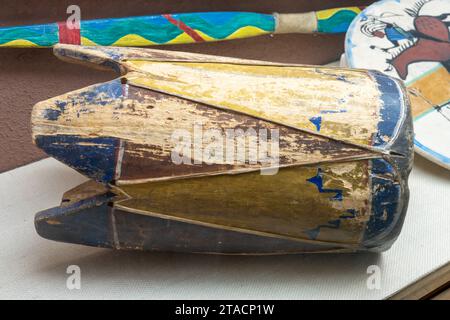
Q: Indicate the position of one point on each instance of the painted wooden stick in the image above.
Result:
(177, 28)
(338, 182)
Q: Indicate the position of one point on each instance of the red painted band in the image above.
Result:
(184, 27)
(69, 35)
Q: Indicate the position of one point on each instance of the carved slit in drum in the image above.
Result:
(344, 154)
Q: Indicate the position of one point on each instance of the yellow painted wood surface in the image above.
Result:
(347, 100)
(284, 205)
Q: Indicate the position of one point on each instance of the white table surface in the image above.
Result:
(32, 267)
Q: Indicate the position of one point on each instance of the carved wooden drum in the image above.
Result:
(206, 154)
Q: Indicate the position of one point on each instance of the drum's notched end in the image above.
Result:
(80, 219)
(93, 155)
(102, 58)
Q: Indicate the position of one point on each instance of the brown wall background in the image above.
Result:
(31, 75)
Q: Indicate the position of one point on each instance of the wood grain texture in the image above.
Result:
(101, 225)
(285, 206)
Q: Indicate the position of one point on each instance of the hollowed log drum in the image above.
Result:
(340, 145)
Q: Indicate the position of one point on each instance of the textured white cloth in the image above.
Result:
(31, 267)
